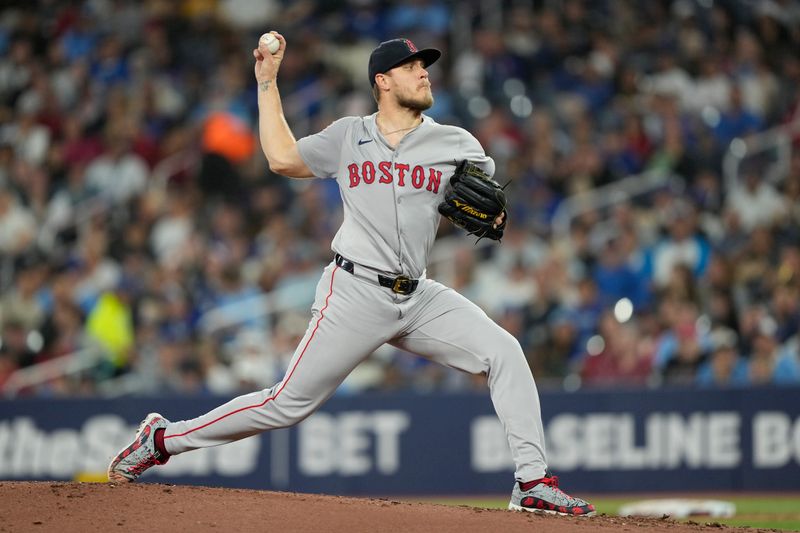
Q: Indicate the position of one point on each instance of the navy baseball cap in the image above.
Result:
(389, 54)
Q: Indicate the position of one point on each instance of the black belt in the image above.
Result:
(400, 284)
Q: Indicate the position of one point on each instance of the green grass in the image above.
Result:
(759, 511)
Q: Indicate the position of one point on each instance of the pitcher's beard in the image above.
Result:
(416, 104)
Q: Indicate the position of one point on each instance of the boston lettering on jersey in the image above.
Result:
(418, 176)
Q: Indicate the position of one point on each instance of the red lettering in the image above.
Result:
(401, 168)
(386, 169)
(354, 178)
(417, 177)
(434, 179)
(368, 171)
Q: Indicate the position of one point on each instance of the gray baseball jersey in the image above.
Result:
(389, 194)
(390, 198)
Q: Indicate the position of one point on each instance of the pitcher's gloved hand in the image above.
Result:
(474, 201)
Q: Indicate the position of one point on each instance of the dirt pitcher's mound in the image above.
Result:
(68, 507)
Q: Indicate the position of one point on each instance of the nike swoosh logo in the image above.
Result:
(362, 141)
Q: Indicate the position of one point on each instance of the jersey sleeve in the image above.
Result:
(321, 152)
(472, 151)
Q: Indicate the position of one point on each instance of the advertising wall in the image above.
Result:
(438, 444)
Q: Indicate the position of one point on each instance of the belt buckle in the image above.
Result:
(401, 285)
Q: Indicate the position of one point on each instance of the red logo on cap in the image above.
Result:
(410, 45)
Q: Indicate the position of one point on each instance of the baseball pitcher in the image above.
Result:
(397, 171)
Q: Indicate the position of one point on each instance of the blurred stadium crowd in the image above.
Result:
(146, 248)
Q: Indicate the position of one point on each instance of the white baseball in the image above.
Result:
(271, 42)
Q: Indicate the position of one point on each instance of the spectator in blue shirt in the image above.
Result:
(725, 366)
(737, 121)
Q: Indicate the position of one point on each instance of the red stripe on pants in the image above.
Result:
(285, 381)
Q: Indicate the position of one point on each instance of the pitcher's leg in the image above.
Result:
(336, 341)
(451, 330)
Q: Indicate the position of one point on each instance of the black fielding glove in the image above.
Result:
(473, 200)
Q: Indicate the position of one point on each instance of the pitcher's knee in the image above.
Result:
(507, 351)
(289, 411)
(510, 344)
